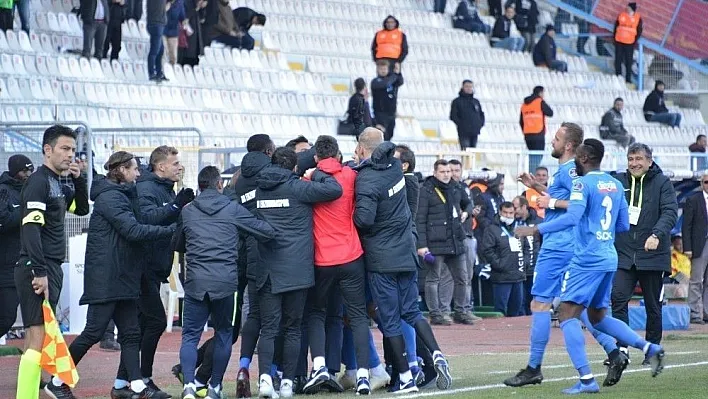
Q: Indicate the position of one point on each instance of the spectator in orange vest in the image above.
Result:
(532, 120)
(390, 43)
(531, 195)
(628, 29)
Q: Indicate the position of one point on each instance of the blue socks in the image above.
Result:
(607, 342)
(273, 370)
(540, 333)
(621, 331)
(575, 344)
(409, 338)
(120, 384)
(244, 363)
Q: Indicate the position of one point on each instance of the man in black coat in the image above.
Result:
(655, 108)
(526, 19)
(507, 256)
(612, 126)
(286, 269)
(384, 221)
(695, 246)
(466, 112)
(442, 208)
(527, 216)
(544, 52)
(384, 95)
(19, 168)
(644, 252)
(206, 233)
(245, 18)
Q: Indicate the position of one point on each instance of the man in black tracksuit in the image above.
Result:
(286, 271)
(527, 216)
(385, 224)
(384, 94)
(19, 169)
(466, 112)
(644, 252)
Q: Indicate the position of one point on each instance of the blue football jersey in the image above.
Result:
(560, 189)
(604, 211)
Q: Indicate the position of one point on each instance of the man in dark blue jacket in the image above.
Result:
(286, 270)
(466, 112)
(206, 233)
(385, 224)
(384, 95)
(466, 17)
(544, 52)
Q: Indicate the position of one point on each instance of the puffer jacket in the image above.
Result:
(439, 223)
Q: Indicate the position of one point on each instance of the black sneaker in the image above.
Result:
(318, 377)
(299, 384)
(109, 345)
(177, 372)
(55, 392)
(123, 393)
(615, 370)
(331, 385)
(527, 376)
(155, 392)
(162, 78)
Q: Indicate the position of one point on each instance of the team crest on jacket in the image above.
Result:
(573, 173)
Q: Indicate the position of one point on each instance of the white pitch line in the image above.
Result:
(493, 386)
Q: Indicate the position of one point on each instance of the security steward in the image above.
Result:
(628, 29)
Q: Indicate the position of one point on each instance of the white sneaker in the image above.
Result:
(265, 388)
(348, 380)
(286, 389)
(378, 378)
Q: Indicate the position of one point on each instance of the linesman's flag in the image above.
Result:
(56, 359)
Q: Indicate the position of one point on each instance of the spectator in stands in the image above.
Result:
(506, 255)
(532, 196)
(467, 17)
(195, 11)
(526, 20)
(390, 44)
(156, 20)
(628, 30)
(114, 34)
(505, 35)
(176, 19)
(700, 160)
(7, 15)
(466, 112)
(655, 108)
(439, 6)
(384, 92)
(527, 216)
(245, 18)
(134, 10)
(532, 119)
(544, 52)
(644, 252)
(695, 245)
(495, 8)
(95, 16)
(358, 110)
(225, 30)
(23, 8)
(299, 144)
(612, 127)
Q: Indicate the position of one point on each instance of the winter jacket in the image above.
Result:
(404, 41)
(156, 13)
(357, 110)
(156, 196)
(243, 16)
(658, 216)
(384, 93)
(382, 214)
(226, 23)
(175, 15)
(465, 13)
(612, 125)
(195, 42)
(502, 29)
(87, 10)
(285, 202)
(115, 245)
(438, 221)
(507, 266)
(526, 15)
(654, 104)
(117, 14)
(336, 239)
(544, 52)
(207, 233)
(412, 194)
(534, 242)
(466, 112)
(10, 218)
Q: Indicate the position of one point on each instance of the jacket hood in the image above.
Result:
(273, 177)
(146, 175)
(211, 201)
(465, 95)
(254, 162)
(382, 157)
(394, 18)
(102, 185)
(8, 180)
(530, 98)
(329, 166)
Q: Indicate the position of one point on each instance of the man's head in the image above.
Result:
(59, 148)
(567, 139)
(510, 12)
(360, 87)
(619, 104)
(467, 86)
(390, 23)
(20, 167)
(541, 175)
(442, 171)
(165, 163)
(407, 157)
(369, 139)
(701, 140)
(456, 169)
(588, 156)
(258, 19)
(539, 91)
(631, 8)
(122, 168)
(639, 159)
(260, 143)
(326, 147)
(550, 30)
(382, 68)
(659, 86)
(299, 144)
(521, 208)
(506, 213)
(285, 158)
(210, 178)
(704, 182)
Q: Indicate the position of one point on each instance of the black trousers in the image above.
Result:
(7, 19)
(8, 309)
(467, 140)
(495, 8)
(113, 39)
(125, 315)
(350, 280)
(388, 121)
(252, 328)
(624, 54)
(652, 288)
(108, 335)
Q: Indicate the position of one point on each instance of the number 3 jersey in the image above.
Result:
(605, 213)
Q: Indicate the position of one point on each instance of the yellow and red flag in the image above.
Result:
(56, 359)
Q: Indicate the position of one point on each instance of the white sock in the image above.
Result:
(198, 384)
(362, 373)
(350, 373)
(405, 377)
(280, 374)
(137, 386)
(57, 382)
(216, 389)
(190, 385)
(437, 353)
(318, 362)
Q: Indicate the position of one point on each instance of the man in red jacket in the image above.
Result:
(339, 265)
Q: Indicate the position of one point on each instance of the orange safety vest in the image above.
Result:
(531, 196)
(627, 28)
(532, 115)
(389, 43)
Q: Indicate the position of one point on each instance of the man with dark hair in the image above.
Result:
(209, 225)
(384, 94)
(466, 112)
(531, 195)
(286, 270)
(467, 18)
(299, 144)
(544, 52)
(699, 159)
(644, 252)
(358, 111)
(245, 18)
(612, 126)
(407, 158)
(532, 120)
(38, 276)
(526, 216)
(655, 108)
(260, 143)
